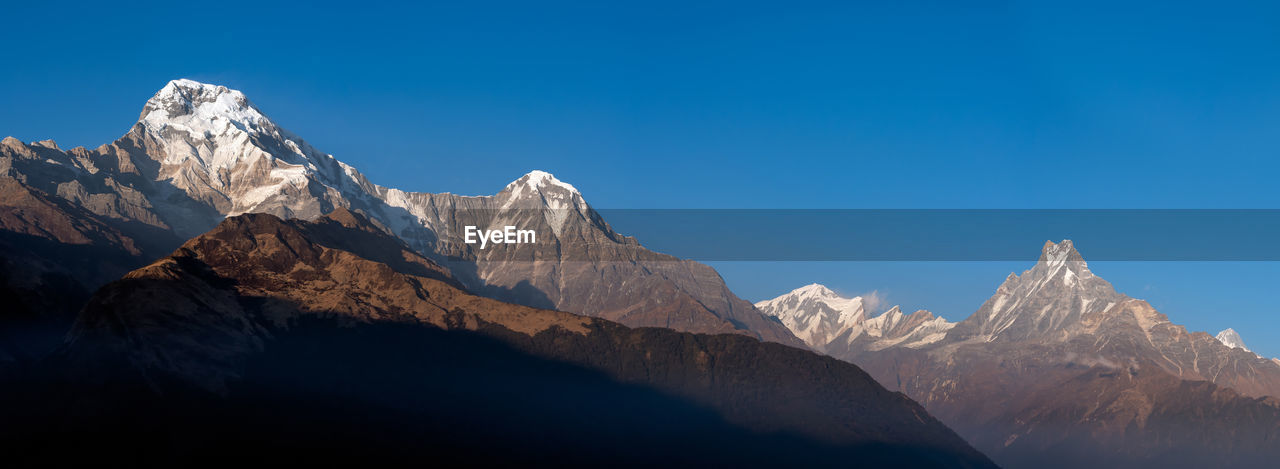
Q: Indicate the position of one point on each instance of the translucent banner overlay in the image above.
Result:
(951, 235)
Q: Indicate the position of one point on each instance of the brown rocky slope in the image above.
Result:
(53, 254)
(333, 338)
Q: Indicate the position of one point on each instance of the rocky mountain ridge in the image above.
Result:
(266, 330)
(201, 152)
(834, 324)
(1057, 368)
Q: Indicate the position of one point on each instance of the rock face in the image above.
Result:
(840, 326)
(52, 255)
(579, 265)
(1060, 301)
(336, 340)
(201, 152)
(1059, 369)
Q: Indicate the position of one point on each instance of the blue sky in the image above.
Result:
(735, 105)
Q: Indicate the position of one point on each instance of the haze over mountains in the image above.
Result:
(1060, 368)
(310, 327)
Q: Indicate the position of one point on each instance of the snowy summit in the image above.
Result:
(1231, 338)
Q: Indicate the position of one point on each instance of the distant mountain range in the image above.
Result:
(833, 324)
(1058, 369)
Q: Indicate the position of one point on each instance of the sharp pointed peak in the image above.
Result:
(1231, 338)
(538, 179)
(1064, 251)
(1064, 246)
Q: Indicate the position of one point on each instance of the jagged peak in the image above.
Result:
(1056, 253)
(850, 310)
(1063, 259)
(197, 107)
(191, 91)
(896, 313)
(1231, 338)
(47, 143)
(1010, 282)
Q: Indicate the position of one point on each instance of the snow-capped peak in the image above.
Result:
(1230, 338)
(211, 140)
(817, 292)
(829, 322)
(201, 108)
(815, 313)
(538, 179)
(814, 290)
(1056, 293)
(541, 190)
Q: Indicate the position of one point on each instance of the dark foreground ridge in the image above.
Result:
(331, 341)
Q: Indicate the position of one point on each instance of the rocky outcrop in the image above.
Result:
(52, 255)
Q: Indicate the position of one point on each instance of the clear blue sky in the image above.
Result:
(734, 105)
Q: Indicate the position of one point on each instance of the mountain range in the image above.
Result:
(201, 152)
(833, 324)
(335, 339)
(1057, 368)
(209, 287)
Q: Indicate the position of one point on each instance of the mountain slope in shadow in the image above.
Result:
(333, 341)
(53, 255)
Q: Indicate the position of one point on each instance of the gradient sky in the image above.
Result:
(735, 105)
